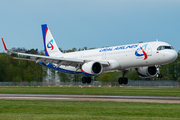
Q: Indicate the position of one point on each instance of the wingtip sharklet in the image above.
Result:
(4, 44)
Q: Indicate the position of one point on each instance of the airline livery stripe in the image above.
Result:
(4, 44)
(44, 31)
(51, 46)
(141, 74)
(145, 55)
(45, 41)
(85, 73)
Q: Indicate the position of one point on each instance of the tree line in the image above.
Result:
(14, 70)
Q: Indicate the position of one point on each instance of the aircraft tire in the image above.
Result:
(125, 81)
(84, 79)
(88, 80)
(159, 75)
(120, 80)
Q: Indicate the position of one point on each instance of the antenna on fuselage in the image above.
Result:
(156, 40)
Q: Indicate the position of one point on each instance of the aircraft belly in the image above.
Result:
(64, 69)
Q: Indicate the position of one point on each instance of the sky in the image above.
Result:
(90, 23)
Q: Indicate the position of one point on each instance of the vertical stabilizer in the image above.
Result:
(50, 46)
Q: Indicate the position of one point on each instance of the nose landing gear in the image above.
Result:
(159, 75)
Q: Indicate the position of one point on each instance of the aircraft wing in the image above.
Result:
(57, 60)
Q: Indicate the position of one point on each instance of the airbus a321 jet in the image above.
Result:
(144, 57)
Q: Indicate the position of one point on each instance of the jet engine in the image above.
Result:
(146, 72)
(92, 68)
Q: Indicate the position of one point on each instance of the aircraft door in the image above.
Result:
(104, 55)
(149, 50)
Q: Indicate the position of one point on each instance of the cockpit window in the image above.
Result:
(164, 47)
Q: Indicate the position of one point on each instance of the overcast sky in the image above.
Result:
(91, 23)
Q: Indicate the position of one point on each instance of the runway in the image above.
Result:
(150, 99)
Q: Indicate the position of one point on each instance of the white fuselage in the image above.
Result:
(126, 56)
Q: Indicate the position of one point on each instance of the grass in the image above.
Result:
(72, 110)
(141, 91)
(78, 110)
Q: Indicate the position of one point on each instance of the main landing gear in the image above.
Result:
(123, 80)
(86, 80)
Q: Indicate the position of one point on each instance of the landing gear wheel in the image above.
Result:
(159, 75)
(120, 80)
(84, 79)
(88, 80)
(125, 81)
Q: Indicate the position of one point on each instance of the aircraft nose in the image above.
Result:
(173, 56)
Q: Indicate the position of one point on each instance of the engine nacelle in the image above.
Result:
(146, 72)
(92, 68)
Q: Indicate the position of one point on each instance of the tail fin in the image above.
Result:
(50, 46)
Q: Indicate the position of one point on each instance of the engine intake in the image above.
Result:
(92, 68)
(146, 72)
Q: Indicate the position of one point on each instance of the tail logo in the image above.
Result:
(141, 52)
(50, 44)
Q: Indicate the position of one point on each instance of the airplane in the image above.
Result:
(144, 57)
